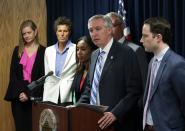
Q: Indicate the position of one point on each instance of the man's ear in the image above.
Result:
(159, 37)
(110, 30)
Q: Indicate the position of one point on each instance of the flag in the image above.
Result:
(122, 12)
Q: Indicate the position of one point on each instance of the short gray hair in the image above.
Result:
(118, 17)
(106, 19)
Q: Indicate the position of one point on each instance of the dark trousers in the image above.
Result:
(22, 114)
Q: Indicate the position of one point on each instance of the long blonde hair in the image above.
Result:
(32, 25)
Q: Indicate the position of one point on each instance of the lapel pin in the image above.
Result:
(111, 57)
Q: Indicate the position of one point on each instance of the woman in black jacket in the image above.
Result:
(84, 48)
(27, 65)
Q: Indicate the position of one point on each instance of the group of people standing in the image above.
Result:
(103, 69)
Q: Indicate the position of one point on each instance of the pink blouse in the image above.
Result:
(27, 63)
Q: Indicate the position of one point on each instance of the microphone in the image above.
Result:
(39, 82)
(44, 77)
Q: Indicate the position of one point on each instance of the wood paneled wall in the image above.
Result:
(12, 13)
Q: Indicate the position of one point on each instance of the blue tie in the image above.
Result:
(96, 79)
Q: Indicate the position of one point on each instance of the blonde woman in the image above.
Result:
(27, 65)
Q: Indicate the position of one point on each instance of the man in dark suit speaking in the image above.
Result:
(164, 98)
(113, 79)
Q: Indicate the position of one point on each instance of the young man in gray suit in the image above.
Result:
(164, 100)
(117, 84)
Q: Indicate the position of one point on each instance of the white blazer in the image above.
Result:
(54, 84)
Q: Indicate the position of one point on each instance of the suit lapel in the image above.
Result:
(147, 82)
(52, 58)
(36, 65)
(37, 59)
(68, 57)
(110, 58)
(160, 73)
(93, 64)
(158, 77)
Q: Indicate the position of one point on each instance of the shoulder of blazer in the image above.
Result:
(94, 56)
(40, 53)
(73, 47)
(50, 49)
(96, 51)
(16, 48)
(134, 46)
(42, 48)
(173, 57)
(15, 51)
(125, 50)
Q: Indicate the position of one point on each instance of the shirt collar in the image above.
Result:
(106, 49)
(160, 55)
(122, 39)
(69, 43)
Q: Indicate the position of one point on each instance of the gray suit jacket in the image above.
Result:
(167, 103)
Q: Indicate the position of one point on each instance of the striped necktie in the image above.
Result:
(96, 79)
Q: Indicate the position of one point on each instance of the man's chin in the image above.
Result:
(97, 44)
(148, 50)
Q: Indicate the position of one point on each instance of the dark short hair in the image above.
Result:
(118, 17)
(159, 25)
(62, 21)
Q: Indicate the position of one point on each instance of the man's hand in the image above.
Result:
(106, 120)
(23, 97)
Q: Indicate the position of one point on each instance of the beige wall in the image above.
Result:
(12, 13)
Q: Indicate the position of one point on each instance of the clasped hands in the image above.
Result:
(107, 119)
(23, 97)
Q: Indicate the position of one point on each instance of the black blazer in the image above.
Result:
(76, 85)
(142, 60)
(16, 83)
(120, 84)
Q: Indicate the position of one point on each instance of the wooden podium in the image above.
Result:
(40, 110)
(85, 118)
(49, 117)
